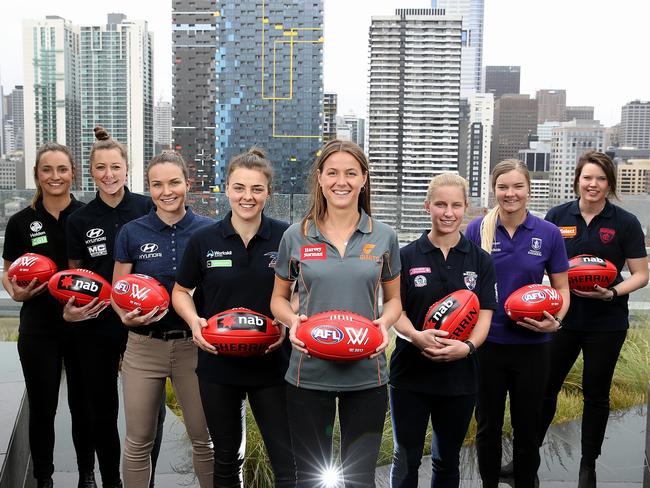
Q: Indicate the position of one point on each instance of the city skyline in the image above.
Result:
(550, 50)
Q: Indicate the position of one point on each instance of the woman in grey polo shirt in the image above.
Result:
(355, 255)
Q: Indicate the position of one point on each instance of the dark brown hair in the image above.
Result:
(604, 162)
(255, 158)
(172, 157)
(47, 147)
(104, 141)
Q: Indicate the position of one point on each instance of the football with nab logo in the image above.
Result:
(240, 332)
(30, 266)
(457, 313)
(339, 336)
(532, 301)
(140, 291)
(586, 270)
(82, 284)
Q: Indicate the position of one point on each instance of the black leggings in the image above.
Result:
(41, 358)
(520, 370)
(225, 413)
(600, 351)
(311, 417)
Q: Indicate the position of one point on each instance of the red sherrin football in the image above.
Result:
(531, 301)
(140, 291)
(457, 313)
(586, 270)
(82, 284)
(339, 335)
(30, 266)
(240, 332)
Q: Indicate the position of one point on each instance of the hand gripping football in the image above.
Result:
(531, 301)
(82, 284)
(240, 332)
(457, 313)
(30, 266)
(140, 291)
(586, 270)
(339, 336)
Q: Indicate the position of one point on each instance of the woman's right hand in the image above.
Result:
(428, 339)
(22, 294)
(197, 336)
(297, 344)
(134, 319)
(72, 313)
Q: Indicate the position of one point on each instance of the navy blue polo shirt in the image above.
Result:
(536, 247)
(227, 274)
(156, 249)
(614, 234)
(91, 239)
(426, 278)
(36, 230)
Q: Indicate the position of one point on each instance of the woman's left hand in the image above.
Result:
(451, 350)
(549, 324)
(283, 334)
(384, 332)
(599, 293)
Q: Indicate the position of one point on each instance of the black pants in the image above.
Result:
(225, 413)
(99, 359)
(600, 351)
(311, 418)
(41, 358)
(520, 370)
(450, 417)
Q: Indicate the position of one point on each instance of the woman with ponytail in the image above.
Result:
(514, 359)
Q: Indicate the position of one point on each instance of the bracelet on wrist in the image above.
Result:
(614, 294)
(472, 347)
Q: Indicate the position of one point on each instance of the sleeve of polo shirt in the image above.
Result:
(391, 268)
(558, 262)
(75, 242)
(190, 271)
(121, 251)
(634, 242)
(550, 216)
(488, 297)
(286, 267)
(403, 284)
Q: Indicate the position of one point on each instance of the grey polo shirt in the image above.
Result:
(329, 281)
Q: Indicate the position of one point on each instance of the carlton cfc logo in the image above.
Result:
(327, 334)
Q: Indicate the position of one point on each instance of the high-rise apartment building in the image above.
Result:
(52, 88)
(500, 80)
(415, 59)
(248, 72)
(579, 112)
(551, 106)
(571, 140)
(116, 62)
(635, 125)
(15, 115)
(357, 129)
(330, 107)
(633, 177)
(481, 120)
(515, 120)
(471, 66)
(162, 126)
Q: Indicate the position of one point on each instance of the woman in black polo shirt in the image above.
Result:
(597, 321)
(433, 377)
(44, 343)
(101, 338)
(226, 265)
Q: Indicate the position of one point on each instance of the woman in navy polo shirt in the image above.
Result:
(226, 265)
(160, 345)
(101, 338)
(44, 344)
(432, 376)
(514, 359)
(597, 320)
(352, 256)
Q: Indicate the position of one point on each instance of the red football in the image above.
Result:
(240, 332)
(82, 284)
(339, 335)
(457, 313)
(140, 291)
(531, 301)
(30, 266)
(586, 270)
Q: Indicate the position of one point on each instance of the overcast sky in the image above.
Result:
(598, 51)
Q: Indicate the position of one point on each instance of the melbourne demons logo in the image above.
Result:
(606, 235)
(327, 334)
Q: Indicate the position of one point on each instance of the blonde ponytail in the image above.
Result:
(489, 229)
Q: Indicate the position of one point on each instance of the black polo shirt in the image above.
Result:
(35, 230)
(91, 239)
(614, 234)
(426, 278)
(226, 275)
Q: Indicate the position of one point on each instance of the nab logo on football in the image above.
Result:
(94, 233)
(534, 296)
(592, 260)
(327, 334)
(443, 309)
(80, 285)
(121, 287)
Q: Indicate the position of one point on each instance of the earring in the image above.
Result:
(363, 189)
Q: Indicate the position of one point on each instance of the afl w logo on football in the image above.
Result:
(357, 337)
(139, 292)
(327, 334)
(94, 233)
(35, 226)
(149, 247)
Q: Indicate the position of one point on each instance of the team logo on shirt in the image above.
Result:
(365, 253)
(469, 278)
(217, 254)
(423, 269)
(420, 281)
(606, 235)
(38, 234)
(273, 258)
(94, 236)
(36, 226)
(535, 246)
